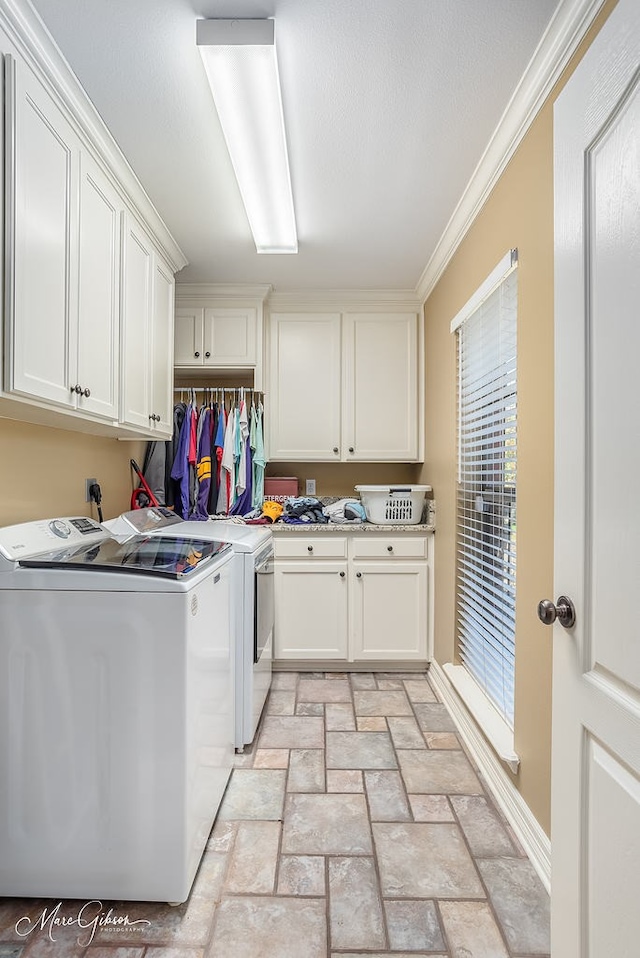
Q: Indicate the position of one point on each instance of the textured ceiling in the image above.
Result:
(388, 105)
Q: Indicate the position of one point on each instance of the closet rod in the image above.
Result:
(218, 389)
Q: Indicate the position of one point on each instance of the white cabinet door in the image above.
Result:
(189, 333)
(389, 610)
(311, 610)
(230, 337)
(42, 182)
(380, 409)
(137, 260)
(99, 291)
(305, 387)
(162, 349)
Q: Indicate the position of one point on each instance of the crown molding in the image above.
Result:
(562, 37)
(345, 300)
(204, 293)
(34, 44)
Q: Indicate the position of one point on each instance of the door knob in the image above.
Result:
(207, 355)
(350, 448)
(309, 548)
(196, 355)
(335, 449)
(86, 392)
(358, 575)
(342, 575)
(564, 611)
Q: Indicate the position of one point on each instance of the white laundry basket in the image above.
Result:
(393, 505)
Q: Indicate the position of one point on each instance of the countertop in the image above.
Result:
(357, 528)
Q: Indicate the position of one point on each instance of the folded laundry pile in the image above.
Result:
(300, 509)
(346, 511)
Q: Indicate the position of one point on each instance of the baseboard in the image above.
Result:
(339, 665)
(531, 835)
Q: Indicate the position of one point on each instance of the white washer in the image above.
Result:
(253, 603)
(116, 710)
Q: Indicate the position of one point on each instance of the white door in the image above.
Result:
(99, 291)
(162, 348)
(43, 272)
(135, 335)
(310, 610)
(595, 831)
(380, 408)
(304, 387)
(230, 336)
(189, 337)
(389, 611)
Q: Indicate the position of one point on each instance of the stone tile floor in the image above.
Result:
(356, 825)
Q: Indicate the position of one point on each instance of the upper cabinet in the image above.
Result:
(216, 337)
(147, 324)
(42, 240)
(218, 330)
(89, 265)
(345, 386)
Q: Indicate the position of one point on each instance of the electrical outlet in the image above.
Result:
(310, 487)
(87, 486)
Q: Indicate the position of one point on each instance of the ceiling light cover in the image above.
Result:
(241, 65)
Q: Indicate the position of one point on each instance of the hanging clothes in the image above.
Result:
(243, 435)
(259, 461)
(203, 468)
(225, 496)
(180, 469)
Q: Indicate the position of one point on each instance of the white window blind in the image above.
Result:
(486, 500)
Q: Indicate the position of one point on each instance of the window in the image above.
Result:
(486, 495)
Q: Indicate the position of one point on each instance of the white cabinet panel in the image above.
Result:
(189, 337)
(230, 337)
(44, 274)
(162, 348)
(389, 609)
(136, 322)
(380, 410)
(305, 387)
(147, 334)
(310, 610)
(99, 291)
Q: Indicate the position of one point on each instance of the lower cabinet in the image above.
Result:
(361, 598)
(311, 610)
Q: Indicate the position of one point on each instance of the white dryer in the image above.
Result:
(116, 710)
(253, 592)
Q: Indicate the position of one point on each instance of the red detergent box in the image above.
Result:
(279, 488)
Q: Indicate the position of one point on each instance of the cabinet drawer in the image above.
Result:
(389, 547)
(294, 547)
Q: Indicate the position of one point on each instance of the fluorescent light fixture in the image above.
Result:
(240, 60)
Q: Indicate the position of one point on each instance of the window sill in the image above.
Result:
(494, 727)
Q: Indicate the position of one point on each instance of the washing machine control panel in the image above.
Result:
(31, 538)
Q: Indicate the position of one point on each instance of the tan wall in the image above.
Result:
(42, 472)
(519, 213)
(338, 478)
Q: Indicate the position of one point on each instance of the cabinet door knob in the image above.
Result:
(389, 548)
(76, 389)
(86, 392)
(335, 449)
(342, 575)
(207, 355)
(358, 575)
(309, 548)
(196, 355)
(350, 448)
